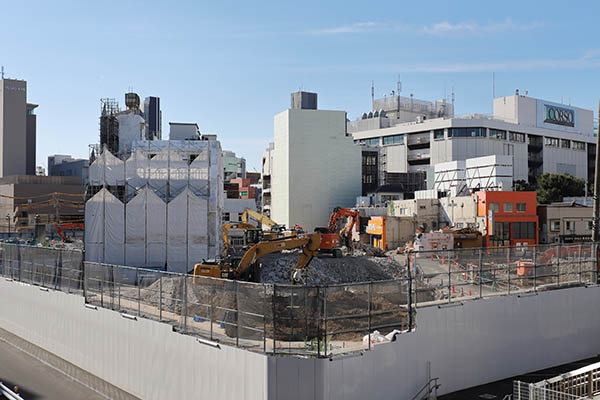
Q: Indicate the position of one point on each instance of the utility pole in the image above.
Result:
(596, 232)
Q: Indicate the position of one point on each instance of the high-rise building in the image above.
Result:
(17, 129)
(153, 117)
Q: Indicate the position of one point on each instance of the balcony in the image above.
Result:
(418, 158)
(418, 142)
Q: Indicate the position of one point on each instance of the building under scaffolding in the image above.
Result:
(109, 124)
(162, 206)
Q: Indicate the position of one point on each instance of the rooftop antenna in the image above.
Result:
(2, 72)
(372, 94)
(452, 98)
(399, 85)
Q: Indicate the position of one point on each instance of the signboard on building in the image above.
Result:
(556, 116)
(559, 115)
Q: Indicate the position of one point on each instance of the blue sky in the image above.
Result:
(230, 66)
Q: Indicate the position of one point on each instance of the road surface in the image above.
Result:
(37, 380)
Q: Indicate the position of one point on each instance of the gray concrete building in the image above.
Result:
(65, 165)
(17, 129)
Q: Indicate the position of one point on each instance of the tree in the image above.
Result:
(553, 187)
(523, 186)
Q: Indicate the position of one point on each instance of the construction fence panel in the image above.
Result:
(297, 325)
(348, 316)
(463, 274)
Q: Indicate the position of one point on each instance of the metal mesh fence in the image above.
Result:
(304, 320)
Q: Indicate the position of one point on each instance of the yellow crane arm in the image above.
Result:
(310, 243)
(263, 219)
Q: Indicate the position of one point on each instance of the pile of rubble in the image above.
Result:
(325, 269)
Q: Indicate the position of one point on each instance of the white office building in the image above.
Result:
(316, 167)
(540, 136)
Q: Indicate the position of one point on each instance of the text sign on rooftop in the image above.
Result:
(559, 115)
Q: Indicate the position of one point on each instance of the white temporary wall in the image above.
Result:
(156, 234)
(467, 344)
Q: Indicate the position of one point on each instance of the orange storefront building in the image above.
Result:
(509, 218)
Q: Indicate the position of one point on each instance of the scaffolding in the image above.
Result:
(109, 124)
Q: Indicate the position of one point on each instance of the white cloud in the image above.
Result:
(590, 59)
(438, 28)
(445, 27)
(359, 27)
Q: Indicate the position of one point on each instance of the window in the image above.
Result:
(403, 211)
(422, 207)
(549, 141)
(521, 207)
(516, 137)
(495, 207)
(555, 226)
(507, 207)
(501, 233)
(565, 143)
(438, 134)
(497, 134)
(225, 217)
(459, 225)
(239, 216)
(369, 160)
(578, 145)
(370, 142)
(396, 139)
(590, 225)
(523, 230)
(570, 226)
(466, 132)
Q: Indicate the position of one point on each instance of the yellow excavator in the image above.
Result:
(240, 234)
(247, 266)
(275, 230)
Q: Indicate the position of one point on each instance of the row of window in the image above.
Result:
(438, 134)
(504, 231)
(564, 143)
(508, 207)
(369, 160)
(569, 226)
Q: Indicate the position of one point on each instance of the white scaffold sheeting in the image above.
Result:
(197, 236)
(156, 232)
(107, 169)
(94, 228)
(136, 171)
(174, 194)
(135, 230)
(158, 172)
(177, 220)
(114, 232)
(178, 173)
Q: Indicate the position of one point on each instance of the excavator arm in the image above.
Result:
(310, 244)
(263, 219)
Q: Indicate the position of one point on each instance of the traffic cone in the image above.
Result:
(470, 292)
(453, 290)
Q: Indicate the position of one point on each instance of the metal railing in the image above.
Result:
(316, 321)
(530, 391)
(305, 320)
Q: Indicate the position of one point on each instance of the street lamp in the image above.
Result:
(8, 220)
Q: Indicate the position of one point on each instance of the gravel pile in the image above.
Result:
(324, 269)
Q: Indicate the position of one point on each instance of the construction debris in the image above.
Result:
(277, 268)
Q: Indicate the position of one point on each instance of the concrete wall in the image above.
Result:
(471, 344)
(468, 344)
(143, 357)
(316, 167)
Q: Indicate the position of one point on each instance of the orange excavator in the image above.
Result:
(331, 237)
(73, 225)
